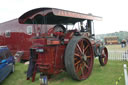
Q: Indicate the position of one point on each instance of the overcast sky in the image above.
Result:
(114, 12)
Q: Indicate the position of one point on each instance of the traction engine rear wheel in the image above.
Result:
(103, 59)
(79, 58)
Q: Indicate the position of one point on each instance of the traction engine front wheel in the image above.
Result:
(103, 58)
(79, 58)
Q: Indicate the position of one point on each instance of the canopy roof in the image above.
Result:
(54, 16)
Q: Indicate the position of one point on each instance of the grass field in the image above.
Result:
(106, 75)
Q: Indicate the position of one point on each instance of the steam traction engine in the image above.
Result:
(69, 45)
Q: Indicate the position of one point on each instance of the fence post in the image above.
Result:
(126, 55)
(125, 74)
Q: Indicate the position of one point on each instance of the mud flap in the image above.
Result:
(32, 63)
(30, 68)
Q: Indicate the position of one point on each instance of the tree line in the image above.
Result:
(121, 35)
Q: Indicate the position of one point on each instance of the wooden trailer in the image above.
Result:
(111, 40)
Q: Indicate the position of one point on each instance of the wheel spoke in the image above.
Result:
(85, 49)
(85, 65)
(77, 51)
(103, 54)
(81, 68)
(79, 48)
(76, 54)
(75, 58)
(77, 62)
(82, 71)
(77, 68)
(82, 45)
(88, 56)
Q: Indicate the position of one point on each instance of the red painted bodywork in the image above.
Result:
(54, 55)
(51, 61)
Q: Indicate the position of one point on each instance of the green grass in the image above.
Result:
(106, 75)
